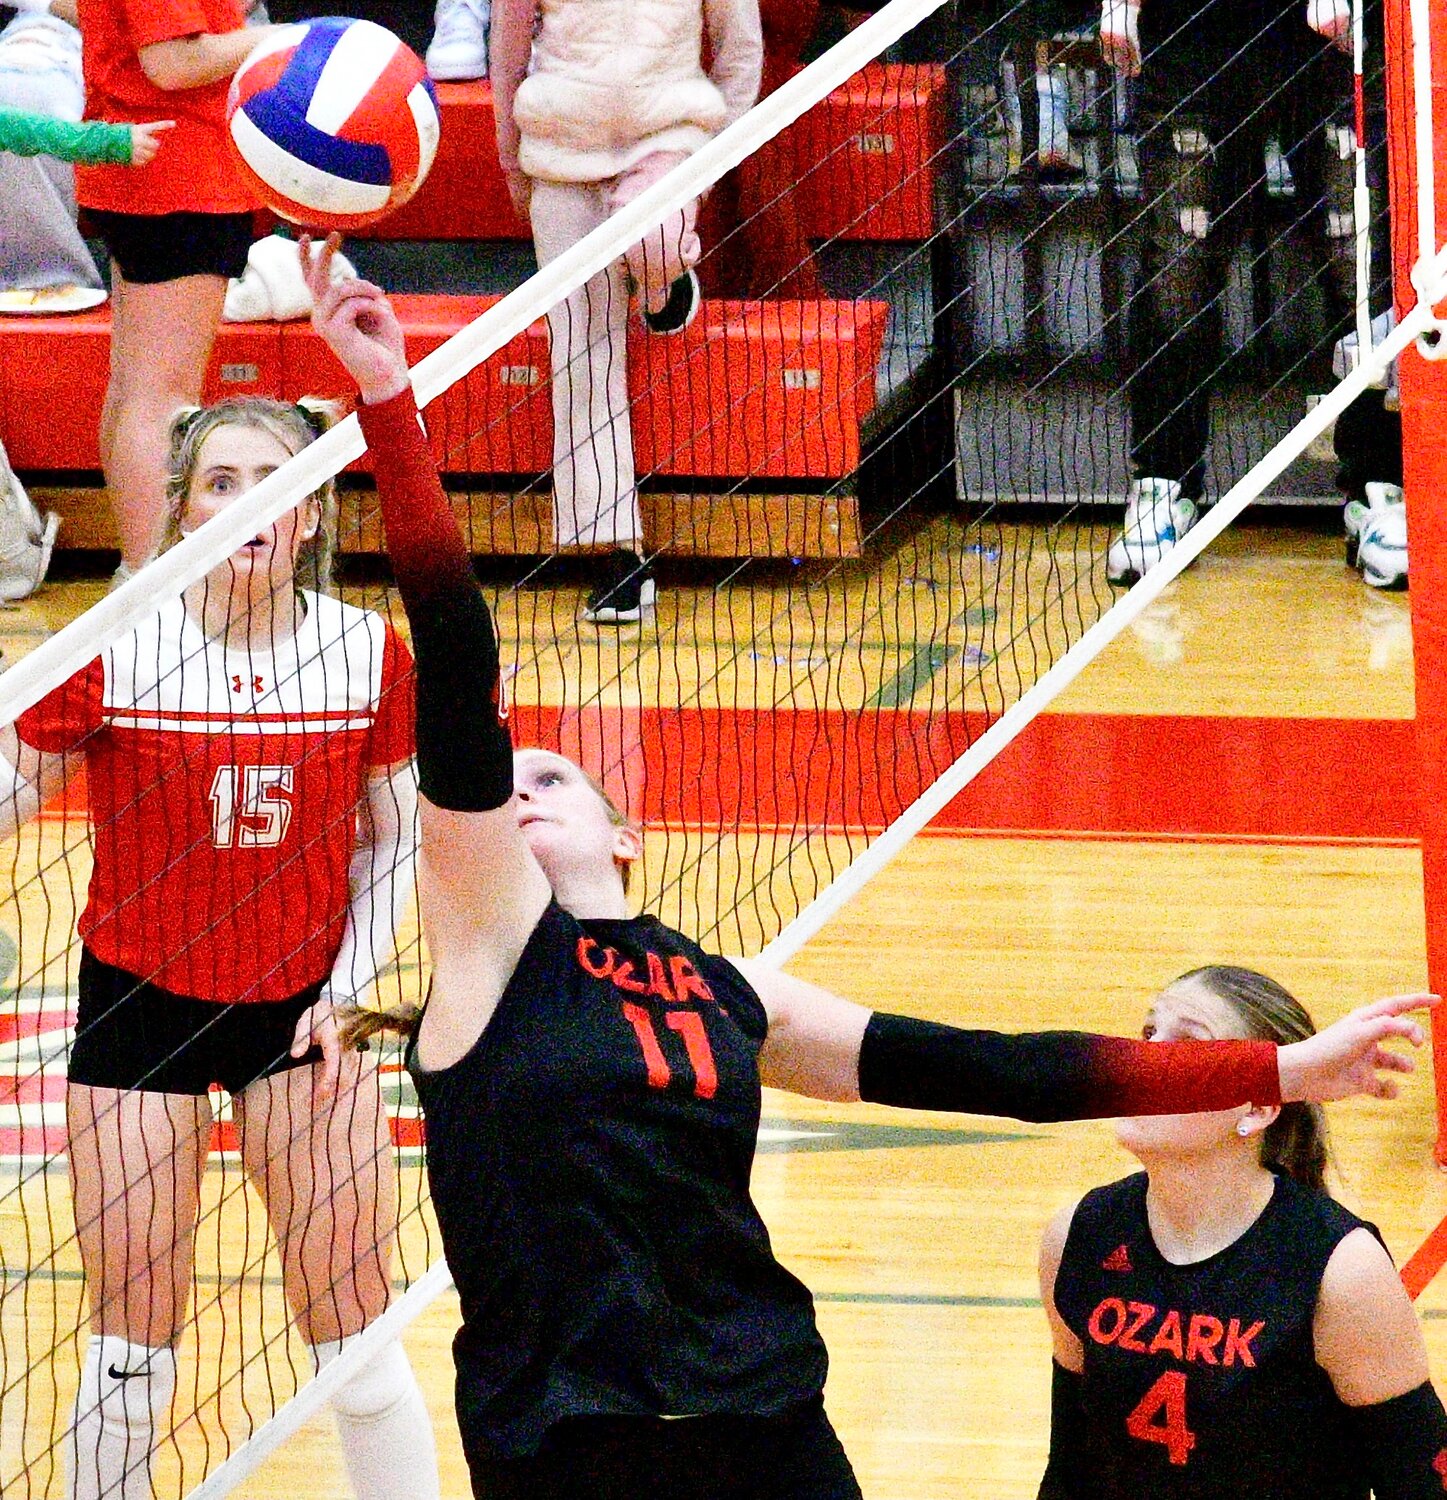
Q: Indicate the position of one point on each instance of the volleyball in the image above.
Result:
(335, 122)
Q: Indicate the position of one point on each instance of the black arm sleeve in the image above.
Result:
(464, 751)
(1062, 1478)
(1404, 1445)
(1057, 1075)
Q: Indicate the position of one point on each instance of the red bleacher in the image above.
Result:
(785, 385)
(875, 142)
(772, 391)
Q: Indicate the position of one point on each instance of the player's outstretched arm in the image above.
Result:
(822, 1045)
(482, 891)
(1370, 1344)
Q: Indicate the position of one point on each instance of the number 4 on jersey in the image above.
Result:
(1166, 1398)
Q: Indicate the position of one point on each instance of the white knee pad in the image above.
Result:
(124, 1388)
(381, 1384)
(382, 1422)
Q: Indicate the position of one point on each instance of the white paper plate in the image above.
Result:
(53, 299)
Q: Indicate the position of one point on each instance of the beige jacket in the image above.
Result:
(613, 81)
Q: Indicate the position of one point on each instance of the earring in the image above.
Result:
(1242, 1129)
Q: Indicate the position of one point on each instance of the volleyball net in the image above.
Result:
(958, 276)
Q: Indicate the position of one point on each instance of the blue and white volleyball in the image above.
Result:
(335, 122)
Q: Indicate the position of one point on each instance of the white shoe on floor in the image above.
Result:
(1157, 516)
(26, 538)
(458, 49)
(1377, 536)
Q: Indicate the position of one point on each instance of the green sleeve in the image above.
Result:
(93, 141)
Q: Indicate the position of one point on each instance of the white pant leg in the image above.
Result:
(664, 253)
(595, 502)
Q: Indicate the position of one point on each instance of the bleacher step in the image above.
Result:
(686, 524)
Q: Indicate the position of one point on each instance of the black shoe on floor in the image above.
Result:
(624, 589)
(684, 297)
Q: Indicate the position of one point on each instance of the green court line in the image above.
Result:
(928, 659)
(14, 1276)
(924, 1299)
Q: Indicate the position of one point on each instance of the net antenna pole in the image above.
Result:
(1361, 195)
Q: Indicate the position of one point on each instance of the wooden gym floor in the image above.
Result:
(1230, 782)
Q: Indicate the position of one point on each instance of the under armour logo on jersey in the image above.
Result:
(258, 685)
(1117, 1260)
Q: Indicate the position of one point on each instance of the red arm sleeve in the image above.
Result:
(464, 754)
(1057, 1075)
(67, 716)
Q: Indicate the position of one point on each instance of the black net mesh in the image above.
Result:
(946, 319)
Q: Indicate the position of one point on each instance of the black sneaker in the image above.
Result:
(624, 589)
(684, 297)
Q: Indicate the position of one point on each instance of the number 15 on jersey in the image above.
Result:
(251, 806)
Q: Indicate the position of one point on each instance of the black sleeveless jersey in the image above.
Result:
(1201, 1381)
(589, 1161)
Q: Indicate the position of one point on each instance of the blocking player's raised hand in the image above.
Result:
(357, 322)
(1350, 1057)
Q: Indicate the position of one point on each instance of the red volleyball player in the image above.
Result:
(248, 759)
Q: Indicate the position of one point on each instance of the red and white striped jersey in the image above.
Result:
(223, 787)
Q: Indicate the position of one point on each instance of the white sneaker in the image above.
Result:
(1157, 516)
(1377, 536)
(26, 538)
(458, 49)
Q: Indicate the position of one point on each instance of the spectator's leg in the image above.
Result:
(595, 504)
(1175, 314)
(161, 338)
(665, 253)
(1316, 136)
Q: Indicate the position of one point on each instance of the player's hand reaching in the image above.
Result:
(357, 322)
(1349, 1057)
(317, 1027)
(1120, 42)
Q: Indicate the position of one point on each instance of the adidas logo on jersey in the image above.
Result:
(1117, 1260)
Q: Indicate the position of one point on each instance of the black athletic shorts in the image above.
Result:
(130, 1034)
(151, 248)
(793, 1456)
